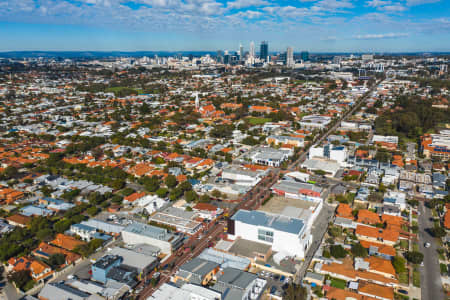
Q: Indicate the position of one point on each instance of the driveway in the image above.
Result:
(430, 277)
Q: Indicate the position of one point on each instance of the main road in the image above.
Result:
(335, 126)
(252, 200)
(430, 278)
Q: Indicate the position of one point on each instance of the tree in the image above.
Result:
(117, 199)
(118, 184)
(398, 263)
(359, 250)
(92, 211)
(20, 278)
(205, 198)
(162, 192)
(46, 190)
(190, 196)
(185, 186)
(44, 234)
(151, 184)
(171, 181)
(216, 193)
(337, 251)
(438, 232)
(56, 260)
(414, 257)
(11, 172)
(62, 225)
(295, 292)
(383, 156)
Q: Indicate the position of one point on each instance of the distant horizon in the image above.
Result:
(319, 26)
(23, 53)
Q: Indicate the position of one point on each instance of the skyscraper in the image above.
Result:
(219, 56)
(252, 49)
(289, 57)
(264, 51)
(304, 55)
(241, 52)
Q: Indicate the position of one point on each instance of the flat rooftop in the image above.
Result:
(277, 205)
(264, 219)
(247, 248)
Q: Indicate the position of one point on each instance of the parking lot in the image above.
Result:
(276, 283)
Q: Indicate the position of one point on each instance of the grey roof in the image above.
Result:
(315, 276)
(277, 222)
(199, 266)
(106, 261)
(61, 291)
(294, 186)
(225, 259)
(150, 231)
(133, 259)
(234, 278)
(123, 274)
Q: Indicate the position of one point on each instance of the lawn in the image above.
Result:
(258, 121)
(117, 89)
(338, 283)
(416, 278)
(404, 244)
(415, 247)
(403, 277)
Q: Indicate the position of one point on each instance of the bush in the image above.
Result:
(334, 231)
(443, 268)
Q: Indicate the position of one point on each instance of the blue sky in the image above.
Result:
(176, 25)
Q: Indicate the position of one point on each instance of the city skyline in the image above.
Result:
(194, 25)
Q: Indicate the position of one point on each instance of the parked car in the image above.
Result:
(404, 292)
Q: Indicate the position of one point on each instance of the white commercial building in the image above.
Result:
(336, 153)
(269, 156)
(315, 122)
(287, 235)
(241, 176)
(330, 167)
(185, 292)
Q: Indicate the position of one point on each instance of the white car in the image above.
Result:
(427, 245)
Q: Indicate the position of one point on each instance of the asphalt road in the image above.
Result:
(318, 231)
(9, 292)
(430, 278)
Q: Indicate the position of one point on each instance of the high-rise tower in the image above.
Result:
(264, 51)
(252, 49)
(289, 57)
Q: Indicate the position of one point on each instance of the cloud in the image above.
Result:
(420, 2)
(249, 14)
(288, 11)
(329, 39)
(393, 8)
(380, 36)
(246, 3)
(377, 3)
(331, 5)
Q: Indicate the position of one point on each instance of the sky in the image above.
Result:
(209, 25)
